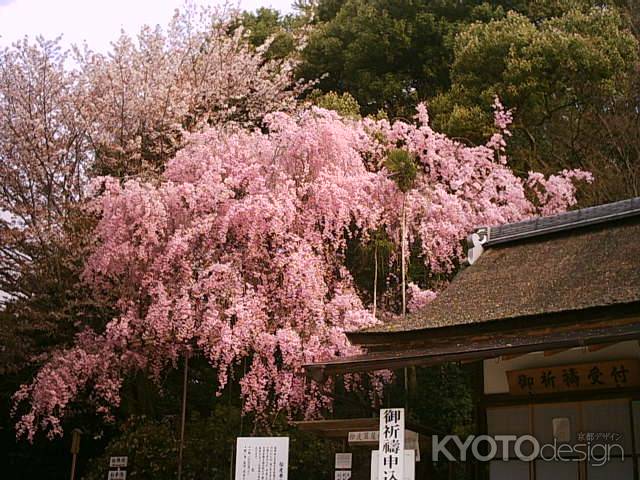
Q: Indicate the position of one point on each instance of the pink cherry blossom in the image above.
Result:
(238, 252)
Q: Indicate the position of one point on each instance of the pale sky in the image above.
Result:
(96, 21)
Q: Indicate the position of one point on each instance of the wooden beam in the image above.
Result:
(504, 358)
(550, 353)
(595, 348)
(460, 350)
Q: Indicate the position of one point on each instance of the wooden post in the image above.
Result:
(75, 449)
(184, 413)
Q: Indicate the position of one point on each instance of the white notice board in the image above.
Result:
(409, 470)
(118, 462)
(342, 475)
(344, 460)
(262, 458)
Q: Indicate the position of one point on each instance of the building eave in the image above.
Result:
(464, 349)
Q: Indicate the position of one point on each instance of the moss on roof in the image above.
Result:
(562, 272)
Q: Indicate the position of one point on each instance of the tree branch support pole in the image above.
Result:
(75, 449)
(375, 278)
(404, 257)
(184, 413)
(404, 290)
(73, 466)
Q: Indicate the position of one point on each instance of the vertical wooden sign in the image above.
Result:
(391, 444)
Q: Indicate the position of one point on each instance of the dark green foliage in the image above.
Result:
(268, 24)
(552, 73)
(452, 386)
(402, 167)
(152, 448)
(387, 54)
(360, 259)
(568, 69)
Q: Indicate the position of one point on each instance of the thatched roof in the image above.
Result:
(574, 267)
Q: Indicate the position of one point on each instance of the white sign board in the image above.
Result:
(342, 475)
(343, 460)
(364, 438)
(372, 437)
(118, 462)
(561, 429)
(262, 458)
(391, 444)
(117, 475)
(409, 470)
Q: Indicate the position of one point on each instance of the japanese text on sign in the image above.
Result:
(118, 462)
(391, 444)
(262, 458)
(409, 472)
(342, 475)
(344, 460)
(585, 376)
(366, 437)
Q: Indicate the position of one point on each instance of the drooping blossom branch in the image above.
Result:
(238, 251)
